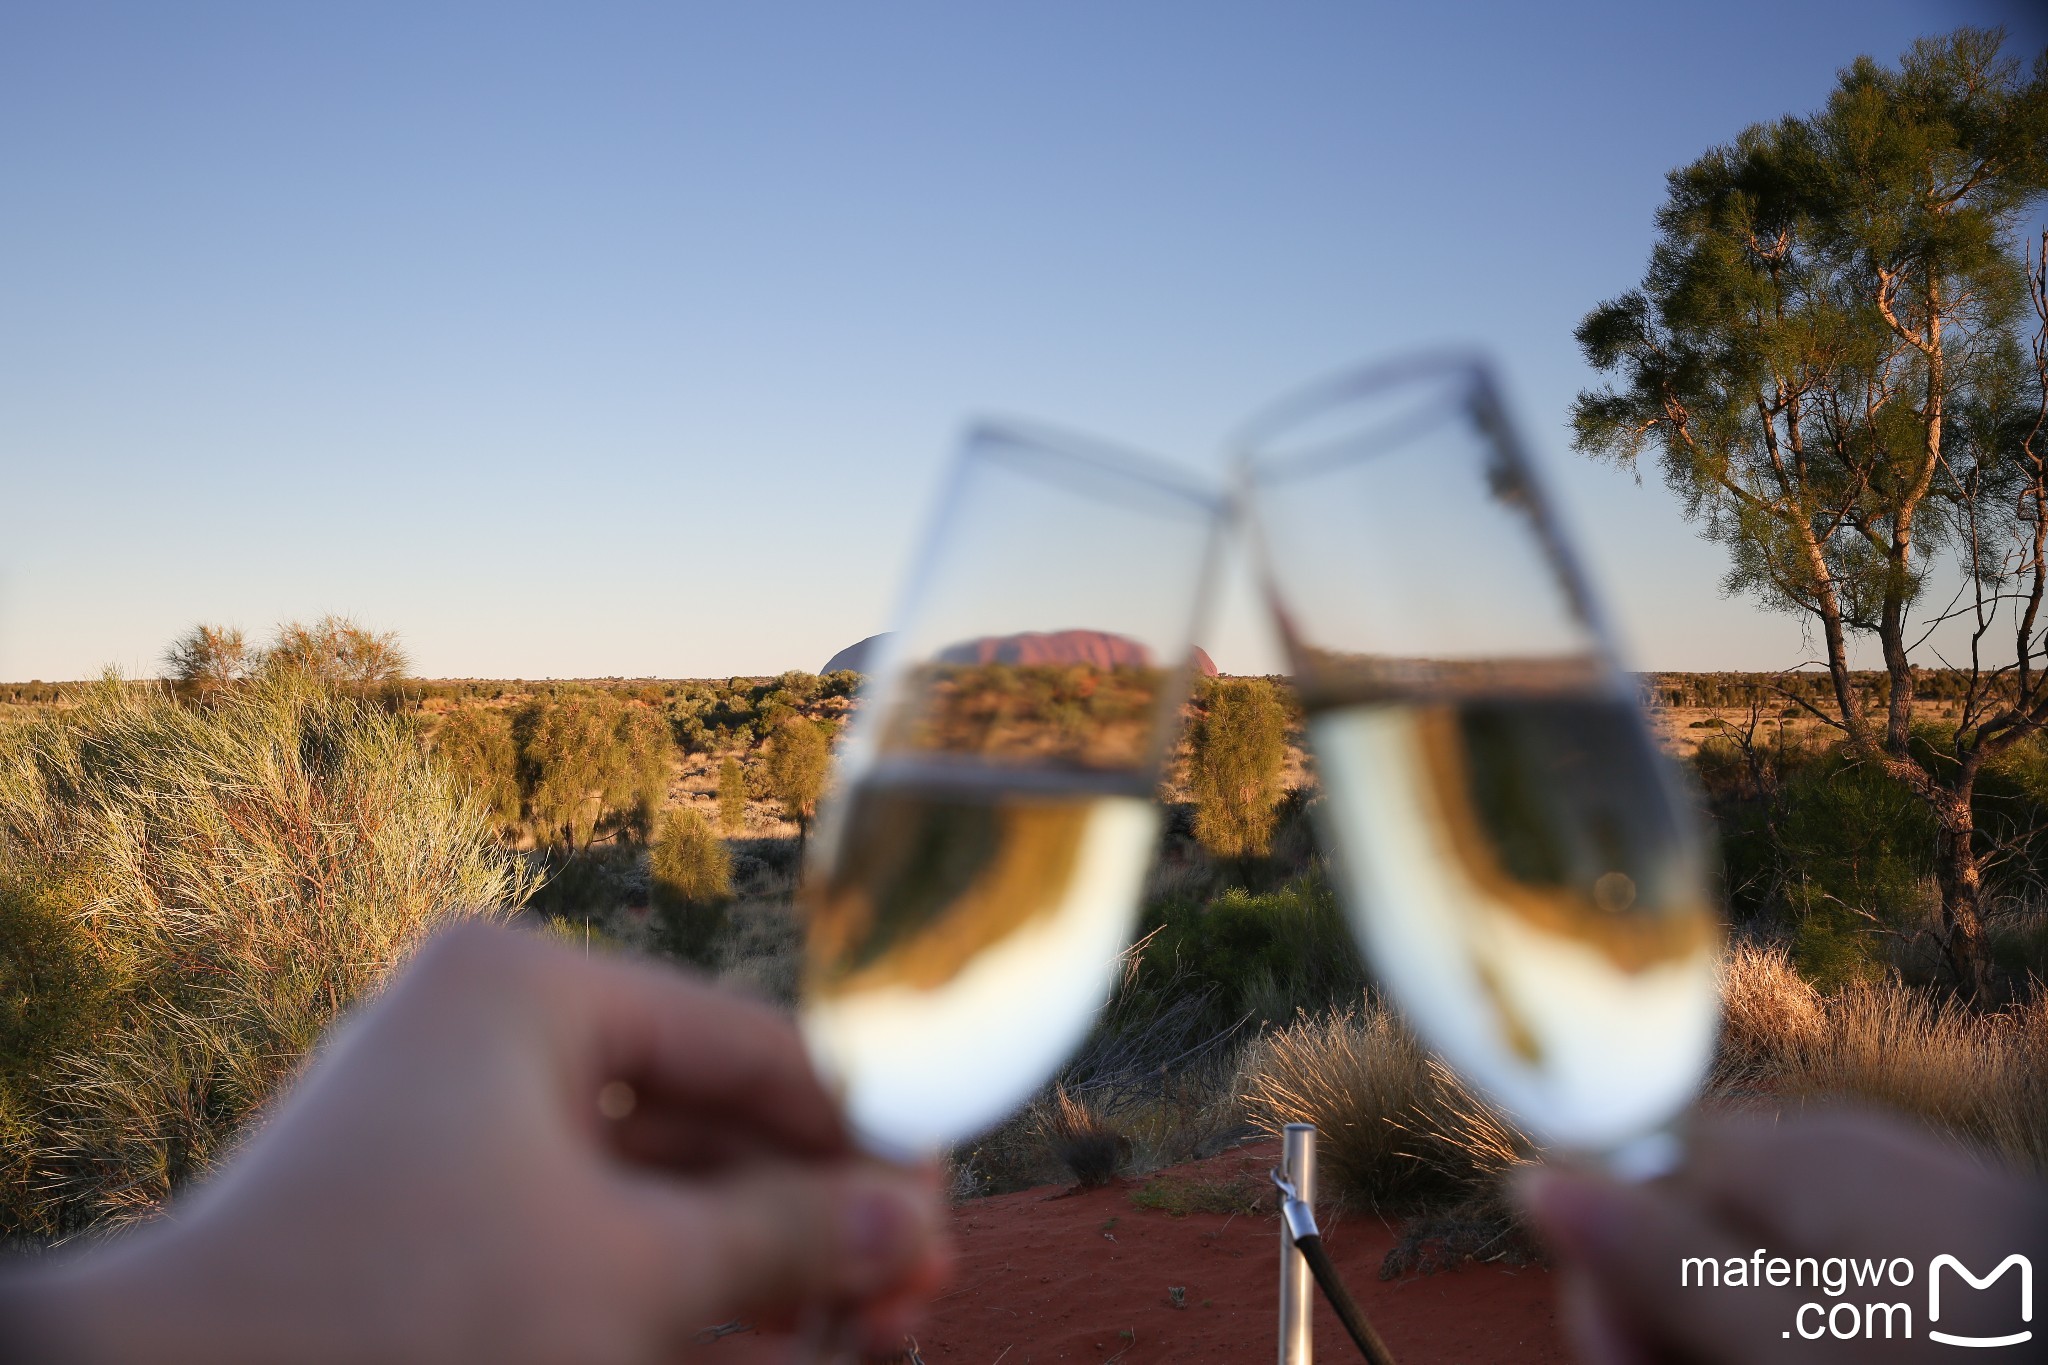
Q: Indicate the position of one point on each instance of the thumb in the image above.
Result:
(783, 1235)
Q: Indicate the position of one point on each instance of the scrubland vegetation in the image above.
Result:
(195, 882)
(189, 895)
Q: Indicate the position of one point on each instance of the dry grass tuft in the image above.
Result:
(230, 878)
(1769, 1013)
(1980, 1076)
(1081, 1139)
(1395, 1127)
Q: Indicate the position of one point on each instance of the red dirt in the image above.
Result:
(1084, 1277)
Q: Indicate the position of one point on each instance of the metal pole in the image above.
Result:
(1297, 1286)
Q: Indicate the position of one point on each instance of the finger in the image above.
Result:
(681, 1141)
(676, 1039)
(1787, 1180)
(776, 1237)
(1601, 1335)
(1629, 1242)
(680, 1040)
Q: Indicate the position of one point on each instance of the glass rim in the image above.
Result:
(1250, 446)
(1074, 460)
(1474, 378)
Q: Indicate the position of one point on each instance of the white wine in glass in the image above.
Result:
(1520, 864)
(979, 864)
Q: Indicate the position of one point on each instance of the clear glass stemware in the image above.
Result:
(977, 868)
(1519, 862)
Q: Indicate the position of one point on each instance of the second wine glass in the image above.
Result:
(978, 865)
(1518, 860)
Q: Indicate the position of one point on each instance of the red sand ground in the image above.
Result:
(1045, 1277)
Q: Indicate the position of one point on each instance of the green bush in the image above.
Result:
(642, 760)
(1239, 753)
(691, 879)
(589, 762)
(799, 758)
(1263, 955)
(191, 895)
(732, 796)
(476, 745)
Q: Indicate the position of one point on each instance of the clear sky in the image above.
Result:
(590, 339)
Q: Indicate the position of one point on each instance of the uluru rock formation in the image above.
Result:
(1101, 648)
(1028, 647)
(857, 656)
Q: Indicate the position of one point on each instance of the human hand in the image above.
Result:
(443, 1187)
(1841, 1184)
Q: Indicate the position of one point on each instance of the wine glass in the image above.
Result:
(977, 867)
(1518, 861)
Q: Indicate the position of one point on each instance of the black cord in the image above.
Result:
(1348, 1312)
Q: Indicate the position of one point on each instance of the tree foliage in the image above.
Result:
(799, 758)
(337, 652)
(732, 796)
(1238, 758)
(207, 660)
(643, 759)
(1827, 358)
(476, 744)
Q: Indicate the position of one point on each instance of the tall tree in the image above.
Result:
(1827, 355)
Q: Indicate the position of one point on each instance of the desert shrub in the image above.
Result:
(1079, 1138)
(689, 864)
(641, 762)
(475, 744)
(1395, 1127)
(1180, 1195)
(796, 688)
(337, 652)
(732, 796)
(1769, 1013)
(1266, 956)
(1835, 853)
(225, 880)
(1979, 1076)
(1238, 754)
(207, 660)
(690, 877)
(569, 764)
(799, 758)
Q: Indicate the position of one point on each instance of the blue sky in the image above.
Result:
(629, 339)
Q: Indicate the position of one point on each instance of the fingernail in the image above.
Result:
(882, 1221)
(1581, 1216)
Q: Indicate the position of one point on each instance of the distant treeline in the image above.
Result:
(722, 705)
(1678, 690)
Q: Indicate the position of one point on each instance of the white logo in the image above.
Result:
(1934, 1298)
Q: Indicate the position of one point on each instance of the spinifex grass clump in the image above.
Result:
(1396, 1127)
(202, 889)
(1981, 1076)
